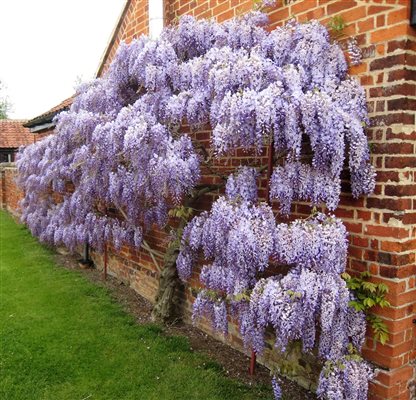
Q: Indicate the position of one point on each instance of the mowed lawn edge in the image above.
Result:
(62, 337)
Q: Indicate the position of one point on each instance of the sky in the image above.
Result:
(47, 46)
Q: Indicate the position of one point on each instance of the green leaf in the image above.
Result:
(356, 305)
(371, 287)
(346, 276)
(383, 288)
(384, 303)
(337, 24)
(365, 274)
(368, 302)
(384, 337)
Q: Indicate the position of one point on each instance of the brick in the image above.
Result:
(391, 378)
(392, 148)
(225, 16)
(409, 218)
(315, 13)
(389, 203)
(391, 119)
(369, 51)
(388, 176)
(400, 272)
(366, 80)
(366, 25)
(383, 361)
(383, 249)
(411, 44)
(393, 351)
(378, 9)
(387, 62)
(279, 15)
(353, 227)
(359, 266)
(398, 246)
(397, 314)
(380, 20)
(304, 5)
(343, 213)
(338, 6)
(404, 103)
(405, 298)
(386, 231)
(396, 16)
(390, 33)
(396, 45)
(400, 190)
(360, 241)
(358, 69)
(364, 215)
(380, 77)
(397, 216)
(400, 162)
(354, 14)
(390, 135)
(222, 7)
(381, 49)
(244, 8)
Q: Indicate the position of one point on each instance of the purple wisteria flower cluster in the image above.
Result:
(119, 143)
(119, 161)
(354, 52)
(309, 304)
(237, 234)
(348, 380)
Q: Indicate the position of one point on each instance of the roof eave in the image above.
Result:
(42, 127)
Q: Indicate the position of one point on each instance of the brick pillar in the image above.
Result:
(392, 247)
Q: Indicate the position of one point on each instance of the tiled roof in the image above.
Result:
(48, 115)
(13, 134)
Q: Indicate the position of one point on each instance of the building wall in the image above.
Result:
(43, 134)
(382, 226)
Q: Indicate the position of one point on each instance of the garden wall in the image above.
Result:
(10, 194)
(382, 226)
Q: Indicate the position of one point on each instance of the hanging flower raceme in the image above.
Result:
(345, 379)
(237, 235)
(310, 303)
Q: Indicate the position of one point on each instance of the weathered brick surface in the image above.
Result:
(10, 195)
(383, 226)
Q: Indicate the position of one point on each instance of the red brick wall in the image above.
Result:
(43, 134)
(10, 195)
(382, 226)
(133, 24)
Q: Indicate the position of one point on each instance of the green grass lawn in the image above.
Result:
(62, 337)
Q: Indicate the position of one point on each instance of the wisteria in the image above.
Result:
(277, 391)
(120, 160)
(347, 380)
(354, 52)
(119, 146)
(237, 235)
(309, 304)
(298, 181)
